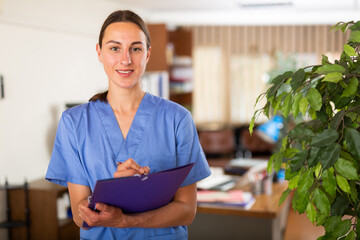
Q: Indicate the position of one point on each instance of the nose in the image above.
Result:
(125, 58)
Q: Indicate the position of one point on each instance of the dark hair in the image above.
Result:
(121, 16)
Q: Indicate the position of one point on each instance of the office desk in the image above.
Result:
(265, 220)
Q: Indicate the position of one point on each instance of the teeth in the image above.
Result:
(124, 71)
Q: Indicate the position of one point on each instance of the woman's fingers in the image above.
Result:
(129, 168)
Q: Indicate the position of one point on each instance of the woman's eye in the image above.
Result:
(136, 49)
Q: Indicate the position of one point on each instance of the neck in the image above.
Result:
(125, 100)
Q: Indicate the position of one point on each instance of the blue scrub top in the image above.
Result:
(89, 143)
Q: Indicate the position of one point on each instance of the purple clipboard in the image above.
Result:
(139, 193)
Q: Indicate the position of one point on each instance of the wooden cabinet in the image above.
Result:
(181, 69)
(167, 47)
(44, 223)
(159, 40)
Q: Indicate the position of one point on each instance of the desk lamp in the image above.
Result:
(270, 130)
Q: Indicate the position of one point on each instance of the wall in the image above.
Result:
(47, 59)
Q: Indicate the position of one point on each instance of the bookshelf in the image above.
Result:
(171, 53)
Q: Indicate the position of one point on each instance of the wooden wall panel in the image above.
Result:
(258, 41)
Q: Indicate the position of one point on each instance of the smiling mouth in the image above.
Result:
(124, 71)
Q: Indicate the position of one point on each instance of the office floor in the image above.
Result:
(300, 228)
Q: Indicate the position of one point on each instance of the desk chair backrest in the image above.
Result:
(220, 143)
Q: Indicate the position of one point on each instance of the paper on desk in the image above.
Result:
(230, 198)
(248, 162)
(217, 180)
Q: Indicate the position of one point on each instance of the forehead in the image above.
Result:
(124, 31)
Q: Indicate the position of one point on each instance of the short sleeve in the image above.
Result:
(65, 163)
(189, 151)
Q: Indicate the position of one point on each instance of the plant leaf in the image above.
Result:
(252, 122)
(334, 77)
(293, 183)
(330, 155)
(355, 26)
(297, 162)
(269, 168)
(300, 133)
(295, 105)
(343, 183)
(322, 202)
(278, 157)
(337, 119)
(317, 170)
(287, 106)
(351, 87)
(306, 181)
(358, 227)
(352, 139)
(324, 60)
(284, 195)
(311, 212)
(354, 36)
(331, 223)
(321, 218)
(328, 68)
(339, 206)
(303, 105)
(342, 228)
(324, 138)
(353, 191)
(314, 153)
(297, 79)
(290, 152)
(346, 169)
(349, 50)
(351, 235)
(300, 201)
(329, 182)
(277, 83)
(314, 98)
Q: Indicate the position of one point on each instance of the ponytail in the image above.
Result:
(99, 96)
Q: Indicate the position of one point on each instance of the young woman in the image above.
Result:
(123, 132)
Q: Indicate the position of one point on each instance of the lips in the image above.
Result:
(125, 73)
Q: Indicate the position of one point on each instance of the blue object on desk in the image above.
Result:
(270, 130)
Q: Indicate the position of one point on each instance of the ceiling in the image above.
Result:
(245, 12)
(203, 5)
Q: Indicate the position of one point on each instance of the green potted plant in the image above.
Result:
(321, 153)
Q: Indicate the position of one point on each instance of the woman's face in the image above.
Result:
(123, 54)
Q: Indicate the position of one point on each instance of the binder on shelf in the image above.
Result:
(139, 193)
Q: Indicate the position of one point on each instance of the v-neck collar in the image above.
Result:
(126, 148)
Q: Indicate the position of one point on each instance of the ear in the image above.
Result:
(148, 55)
(98, 51)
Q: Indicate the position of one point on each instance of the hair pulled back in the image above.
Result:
(121, 16)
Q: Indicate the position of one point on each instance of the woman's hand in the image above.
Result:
(129, 168)
(106, 216)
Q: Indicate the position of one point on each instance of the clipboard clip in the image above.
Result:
(143, 177)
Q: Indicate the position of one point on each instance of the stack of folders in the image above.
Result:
(218, 189)
(232, 198)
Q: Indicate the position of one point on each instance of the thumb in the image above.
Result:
(101, 207)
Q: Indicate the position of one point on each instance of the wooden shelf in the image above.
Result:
(182, 98)
(44, 223)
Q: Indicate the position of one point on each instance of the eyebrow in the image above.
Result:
(117, 42)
